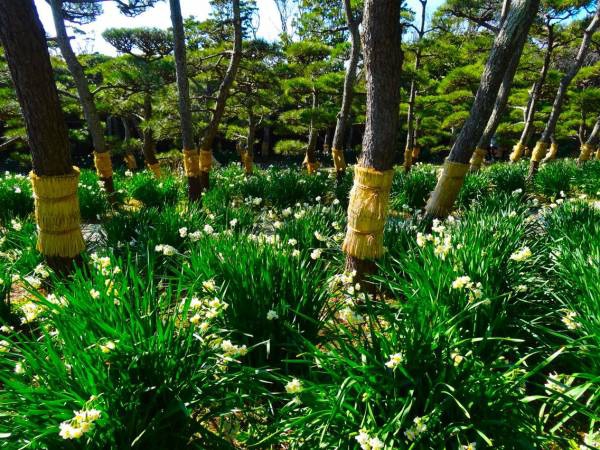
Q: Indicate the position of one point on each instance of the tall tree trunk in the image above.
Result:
(337, 145)
(509, 41)
(492, 125)
(265, 145)
(591, 144)
(248, 154)
(190, 153)
(101, 154)
(310, 158)
(544, 142)
(213, 126)
(410, 150)
(536, 92)
(149, 144)
(129, 155)
(54, 178)
(369, 198)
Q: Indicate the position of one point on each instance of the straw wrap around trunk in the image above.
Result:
(539, 151)
(586, 152)
(130, 161)
(517, 152)
(103, 164)
(477, 159)
(451, 178)
(408, 159)
(552, 153)
(155, 169)
(339, 161)
(205, 160)
(191, 163)
(367, 213)
(247, 162)
(57, 214)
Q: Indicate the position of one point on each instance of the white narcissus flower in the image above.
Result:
(294, 386)
(272, 315)
(183, 231)
(521, 255)
(316, 253)
(395, 360)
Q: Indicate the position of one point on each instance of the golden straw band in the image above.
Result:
(247, 160)
(598, 154)
(57, 214)
(446, 191)
(339, 162)
(103, 164)
(517, 152)
(312, 167)
(205, 160)
(191, 163)
(478, 157)
(155, 169)
(586, 152)
(130, 161)
(416, 153)
(367, 212)
(539, 152)
(408, 156)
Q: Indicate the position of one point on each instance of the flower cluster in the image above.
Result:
(165, 249)
(294, 386)
(103, 265)
(419, 427)
(81, 423)
(368, 442)
(473, 289)
(440, 238)
(205, 309)
(395, 360)
(569, 319)
(521, 255)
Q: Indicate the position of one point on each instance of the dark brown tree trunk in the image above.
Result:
(149, 144)
(265, 145)
(129, 154)
(234, 62)
(248, 155)
(183, 91)
(499, 107)
(86, 99)
(24, 43)
(541, 146)
(337, 145)
(536, 91)
(509, 41)
(410, 119)
(383, 65)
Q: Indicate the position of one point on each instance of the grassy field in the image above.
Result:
(234, 326)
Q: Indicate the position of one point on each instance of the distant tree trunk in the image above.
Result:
(591, 144)
(248, 155)
(149, 144)
(480, 152)
(53, 177)
(310, 158)
(337, 145)
(213, 126)
(536, 92)
(86, 99)
(542, 145)
(369, 198)
(410, 119)
(509, 41)
(190, 153)
(129, 155)
(265, 145)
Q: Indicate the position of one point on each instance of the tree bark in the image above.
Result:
(149, 145)
(410, 119)
(183, 91)
(265, 145)
(86, 98)
(499, 107)
(509, 41)
(24, 42)
(536, 90)
(383, 64)
(348, 94)
(310, 157)
(561, 93)
(248, 155)
(230, 74)
(590, 146)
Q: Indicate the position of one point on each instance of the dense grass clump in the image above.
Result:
(232, 324)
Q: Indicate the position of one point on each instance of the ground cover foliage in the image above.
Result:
(233, 325)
